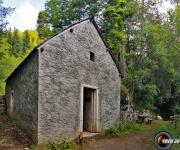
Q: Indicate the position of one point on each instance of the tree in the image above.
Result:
(43, 27)
(6, 62)
(114, 18)
(7, 65)
(64, 12)
(4, 12)
(152, 60)
(26, 42)
(15, 43)
(10, 41)
(14, 46)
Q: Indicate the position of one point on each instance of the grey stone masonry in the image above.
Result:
(44, 95)
(64, 66)
(22, 96)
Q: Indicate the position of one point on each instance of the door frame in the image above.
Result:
(96, 106)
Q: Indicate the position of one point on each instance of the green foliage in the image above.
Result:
(60, 13)
(43, 27)
(5, 68)
(124, 128)
(15, 46)
(20, 43)
(153, 61)
(4, 12)
(169, 127)
(7, 64)
(60, 144)
(115, 14)
(64, 12)
(124, 91)
(16, 43)
(124, 95)
(114, 19)
(26, 41)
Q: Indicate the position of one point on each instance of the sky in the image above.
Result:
(166, 5)
(26, 12)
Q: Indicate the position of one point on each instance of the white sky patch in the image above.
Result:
(25, 15)
(165, 6)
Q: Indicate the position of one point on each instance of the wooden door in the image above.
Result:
(88, 109)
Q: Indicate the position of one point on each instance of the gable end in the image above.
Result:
(39, 46)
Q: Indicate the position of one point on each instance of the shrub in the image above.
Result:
(124, 95)
(60, 144)
(124, 128)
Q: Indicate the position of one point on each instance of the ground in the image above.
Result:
(11, 138)
(141, 140)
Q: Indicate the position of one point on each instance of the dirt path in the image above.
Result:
(140, 141)
(136, 141)
(11, 138)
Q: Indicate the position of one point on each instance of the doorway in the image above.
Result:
(89, 109)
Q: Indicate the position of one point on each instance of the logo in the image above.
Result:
(163, 140)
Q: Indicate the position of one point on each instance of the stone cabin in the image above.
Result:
(67, 85)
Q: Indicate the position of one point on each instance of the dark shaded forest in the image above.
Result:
(144, 41)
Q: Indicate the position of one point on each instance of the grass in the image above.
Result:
(169, 127)
(175, 133)
(125, 128)
(60, 144)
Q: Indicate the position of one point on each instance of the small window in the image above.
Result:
(91, 56)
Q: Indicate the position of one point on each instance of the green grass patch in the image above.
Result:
(60, 144)
(167, 126)
(125, 128)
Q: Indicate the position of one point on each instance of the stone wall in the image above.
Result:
(64, 66)
(127, 113)
(22, 89)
